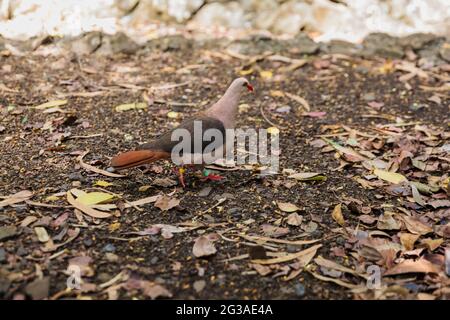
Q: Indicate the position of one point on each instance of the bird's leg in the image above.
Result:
(207, 175)
(179, 171)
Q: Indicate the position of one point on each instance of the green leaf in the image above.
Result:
(425, 188)
(419, 164)
(391, 177)
(102, 183)
(345, 150)
(308, 176)
(92, 198)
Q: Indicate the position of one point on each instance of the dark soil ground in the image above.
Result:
(39, 153)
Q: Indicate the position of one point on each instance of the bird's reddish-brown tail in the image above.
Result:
(135, 158)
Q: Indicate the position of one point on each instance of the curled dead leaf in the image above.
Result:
(166, 203)
(337, 215)
(287, 207)
(294, 219)
(203, 247)
(411, 266)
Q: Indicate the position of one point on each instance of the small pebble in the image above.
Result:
(154, 260)
(417, 106)
(205, 192)
(233, 211)
(21, 251)
(104, 277)
(109, 248)
(412, 287)
(369, 96)
(257, 252)
(284, 109)
(76, 176)
(199, 285)
(2, 255)
(111, 257)
(88, 242)
(299, 290)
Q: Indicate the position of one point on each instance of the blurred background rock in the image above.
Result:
(323, 20)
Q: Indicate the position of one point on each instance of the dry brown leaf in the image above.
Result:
(88, 167)
(50, 246)
(408, 240)
(262, 270)
(301, 263)
(16, 198)
(166, 203)
(386, 221)
(268, 239)
(289, 257)
(203, 247)
(432, 244)
(308, 176)
(299, 99)
(130, 204)
(294, 219)
(336, 281)
(287, 207)
(411, 266)
(156, 291)
(274, 231)
(321, 261)
(415, 226)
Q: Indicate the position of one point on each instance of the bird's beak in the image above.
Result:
(250, 87)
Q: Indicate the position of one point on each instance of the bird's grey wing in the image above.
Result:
(166, 141)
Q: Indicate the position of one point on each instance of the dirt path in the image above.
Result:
(364, 106)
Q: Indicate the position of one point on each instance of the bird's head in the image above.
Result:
(242, 82)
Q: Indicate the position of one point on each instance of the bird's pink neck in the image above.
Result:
(225, 109)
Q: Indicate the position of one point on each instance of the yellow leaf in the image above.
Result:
(446, 184)
(387, 67)
(42, 234)
(114, 226)
(276, 93)
(337, 215)
(52, 198)
(266, 74)
(102, 183)
(273, 131)
(84, 208)
(51, 104)
(173, 115)
(391, 177)
(92, 198)
(131, 106)
(144, 188)
(246, 72)
(243, 107)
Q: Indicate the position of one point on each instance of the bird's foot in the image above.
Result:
(180, 173)
(207, 175)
